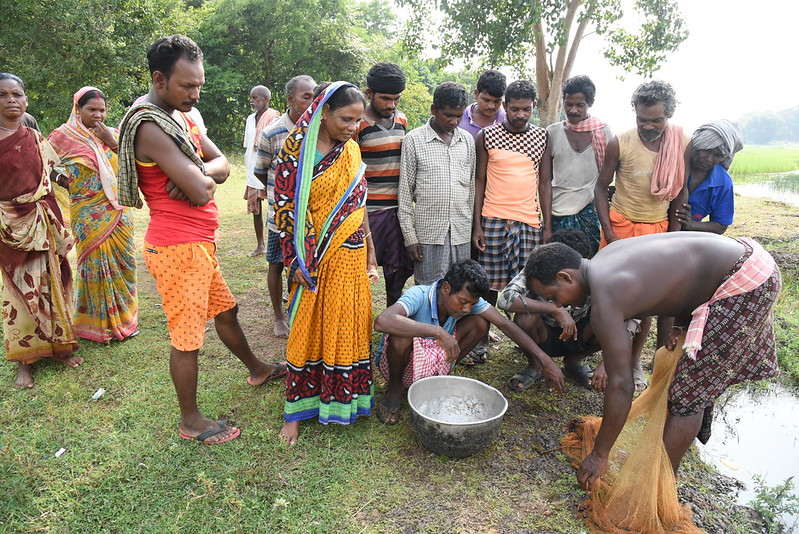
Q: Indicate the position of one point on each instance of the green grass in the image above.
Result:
(755, 159)
(126, 470)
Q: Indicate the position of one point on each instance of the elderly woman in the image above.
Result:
(320, 193)
(709, 185)
(106, 302)
(37, 281)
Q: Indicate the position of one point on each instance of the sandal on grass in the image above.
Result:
(388, 415)
(522, 380)
(582, 374)
(211, 433)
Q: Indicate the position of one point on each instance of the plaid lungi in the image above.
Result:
(737, 345)
(586, 220)
(437, 259)
(508, 245)
(254, 197)
(427, 359)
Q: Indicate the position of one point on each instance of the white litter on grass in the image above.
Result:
(98, 393)
(60, 451)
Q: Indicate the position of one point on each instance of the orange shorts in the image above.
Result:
(624, 227)
(191, 287)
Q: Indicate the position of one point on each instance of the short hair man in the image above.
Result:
(723, 292)
(487, 107)
(571, 164)
(710, 193)
(432, 326)
(436, 187)
(177, 169)
(299, 95)
(649, 163)
(507, 221)
(255, 192)
(557, 330)
(380, 136)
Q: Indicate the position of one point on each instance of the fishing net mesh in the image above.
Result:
(638, 492)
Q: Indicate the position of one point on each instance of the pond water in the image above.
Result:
(757, 433)
(784, 187)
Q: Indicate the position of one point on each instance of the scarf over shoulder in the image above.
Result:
(128, 176)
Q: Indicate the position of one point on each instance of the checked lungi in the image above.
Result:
(508, 245)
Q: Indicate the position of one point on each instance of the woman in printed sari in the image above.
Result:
(320, 193)
(37, 281)
(106, 302)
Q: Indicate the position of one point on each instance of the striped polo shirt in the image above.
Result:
(380, 150)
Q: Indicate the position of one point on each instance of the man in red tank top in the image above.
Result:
(178, 169)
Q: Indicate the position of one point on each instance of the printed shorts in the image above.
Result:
(191, 287)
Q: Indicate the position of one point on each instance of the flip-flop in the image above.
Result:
(210, 433)
(393, 416)
(281, 369)
(525, 378)
(639, 380)
(582, 374)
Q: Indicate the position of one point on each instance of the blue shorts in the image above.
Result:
(274, 254)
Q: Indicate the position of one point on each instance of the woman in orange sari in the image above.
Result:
(106, 306)
(320, 193)
(37, 281)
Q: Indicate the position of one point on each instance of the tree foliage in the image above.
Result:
(766, 127)
(56, 47)
(550, 32)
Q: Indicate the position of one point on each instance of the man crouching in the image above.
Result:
(431, 327)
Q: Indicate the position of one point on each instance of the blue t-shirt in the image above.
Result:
(714, 197)
(420, 303)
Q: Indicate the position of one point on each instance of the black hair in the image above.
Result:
(319, 89)
(449, 95)
(576, 239)
(468, 274)
(166, 51)
(491, 82)
(656, 92)
(548, 260)
(292, 84)
(520, 89)
(382, 72)
(88, 95)
(14, 77)
(580, 84)
(344, 96)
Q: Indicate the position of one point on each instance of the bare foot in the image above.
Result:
(270, 372)
(209, 432)
(290, 432)
(72, 361)
(282, 329)
(257, 252)
(24, 376)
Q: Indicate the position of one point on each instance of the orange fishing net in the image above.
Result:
(638, 492)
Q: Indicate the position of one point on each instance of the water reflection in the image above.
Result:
(756, 433)
(784, 187)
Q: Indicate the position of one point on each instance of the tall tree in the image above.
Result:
(58, 46)
(551, 31)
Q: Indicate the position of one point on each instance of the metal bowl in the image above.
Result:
(454, 415)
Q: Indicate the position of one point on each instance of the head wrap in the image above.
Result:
(724, 135)
(392, 84)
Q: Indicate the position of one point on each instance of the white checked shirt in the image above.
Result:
(436, 187)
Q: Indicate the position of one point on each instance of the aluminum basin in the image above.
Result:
(454, 415)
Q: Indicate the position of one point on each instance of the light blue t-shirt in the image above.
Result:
(421, 305)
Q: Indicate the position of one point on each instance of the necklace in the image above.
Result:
(9, 129)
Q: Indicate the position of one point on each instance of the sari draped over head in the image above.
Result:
(107, 303)
(37, 281)
(304, 240)
(319, 212)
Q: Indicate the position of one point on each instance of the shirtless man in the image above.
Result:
(636, 277)
(177, 169)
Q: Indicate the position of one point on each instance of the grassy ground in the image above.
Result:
(126, 470)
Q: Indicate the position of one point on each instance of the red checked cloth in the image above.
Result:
(754, 272)
(427, 359)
